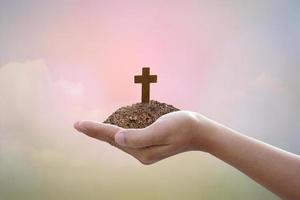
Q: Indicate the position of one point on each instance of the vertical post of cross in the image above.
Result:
(145, 79)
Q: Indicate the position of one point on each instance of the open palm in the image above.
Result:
(171, 134)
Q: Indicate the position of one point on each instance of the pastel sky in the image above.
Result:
(236, 62)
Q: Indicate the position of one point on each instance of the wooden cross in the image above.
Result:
(145, 79)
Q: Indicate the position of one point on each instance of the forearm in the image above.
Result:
(277, 170)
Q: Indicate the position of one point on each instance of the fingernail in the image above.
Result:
(120, 138)
(79, 126)
(76, 125)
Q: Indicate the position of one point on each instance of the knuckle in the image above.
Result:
(145, 162)
(146, 159)
(112, 143)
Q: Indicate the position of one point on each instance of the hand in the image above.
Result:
(171, 134)
(182, 131)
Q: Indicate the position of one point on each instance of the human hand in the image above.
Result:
(182, 131)
(170, 134)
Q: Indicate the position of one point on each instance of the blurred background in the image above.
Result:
(236, 62)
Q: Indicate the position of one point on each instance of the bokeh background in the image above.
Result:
(236, 62)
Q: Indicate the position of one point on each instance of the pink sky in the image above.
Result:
(234, 61)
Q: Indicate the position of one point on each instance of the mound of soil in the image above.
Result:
(139, 115)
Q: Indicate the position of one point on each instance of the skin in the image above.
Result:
(181, 131)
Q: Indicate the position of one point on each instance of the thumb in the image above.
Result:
(100, 131)
(137, 138)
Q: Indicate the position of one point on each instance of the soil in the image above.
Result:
(139, 115)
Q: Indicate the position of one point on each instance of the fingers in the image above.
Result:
(124, 138)
(101, 131)
(147, 145)
(153, 154)
(139, 138)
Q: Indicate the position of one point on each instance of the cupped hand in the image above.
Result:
(170, 134)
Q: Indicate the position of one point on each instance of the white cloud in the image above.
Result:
(70, 88)
(25, 91)
(265, 81)
(37, 113)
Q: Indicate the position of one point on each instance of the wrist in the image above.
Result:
(207, 133)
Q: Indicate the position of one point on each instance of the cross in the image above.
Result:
(145, 79)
